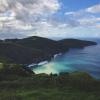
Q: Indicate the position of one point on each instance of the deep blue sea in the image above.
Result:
(85, 60)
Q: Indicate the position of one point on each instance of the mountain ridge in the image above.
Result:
(35, 49)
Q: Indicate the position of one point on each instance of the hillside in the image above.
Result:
(14, 53)
(35, 49)
(17, 83)
(75, 43)
(43, 44)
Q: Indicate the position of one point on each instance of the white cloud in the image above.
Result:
(98, 26)
(28, 10)
(26, 15)
(35, 17)
(90, 21)
(86, 17)
(33, 6)
(94, 9)
(69, 13)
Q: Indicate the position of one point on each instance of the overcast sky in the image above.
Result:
(49, 18)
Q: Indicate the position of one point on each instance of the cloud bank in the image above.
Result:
(25, 15)
(20, 18)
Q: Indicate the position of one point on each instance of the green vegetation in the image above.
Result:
(75, 43)
(35, 49)
(20, 83)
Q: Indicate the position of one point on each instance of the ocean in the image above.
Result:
(83, 60)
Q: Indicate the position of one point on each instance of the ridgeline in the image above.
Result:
(35, 49)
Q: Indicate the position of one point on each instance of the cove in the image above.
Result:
(84, 60)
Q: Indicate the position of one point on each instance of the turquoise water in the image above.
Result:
(86, 60)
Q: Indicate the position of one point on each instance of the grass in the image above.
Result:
(1, 65)
(24, 89)
(17, 84)
(47, 94)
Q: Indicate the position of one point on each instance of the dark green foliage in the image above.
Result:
(40, 44)
(14, 71)
(15, 53)
(35, 49)
(19, 83)
(74, 43)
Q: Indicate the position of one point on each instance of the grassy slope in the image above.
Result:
(23, 90)
(20, 84)
(47, 94)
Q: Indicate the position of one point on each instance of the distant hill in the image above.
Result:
(35, 49)
(42, 44)
(75, 43)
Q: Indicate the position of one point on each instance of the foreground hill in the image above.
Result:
(35, 49)
(17, 83)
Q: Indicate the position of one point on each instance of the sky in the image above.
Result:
(49, 18)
